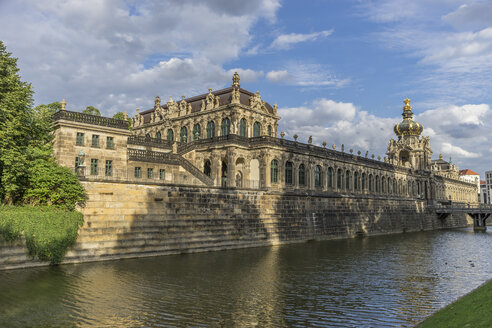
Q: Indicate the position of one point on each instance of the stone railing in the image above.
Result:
(150, 142)
(168, 158)
(90, 119)
(283, 143)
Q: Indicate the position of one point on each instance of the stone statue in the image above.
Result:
(210, 99)
(275, 108)
(235, 96)
(310, 140)
(172, 106)
(63, 104)
(157, 102)
(255, 101)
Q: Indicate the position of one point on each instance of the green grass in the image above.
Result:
(48, 231)
(472, 310)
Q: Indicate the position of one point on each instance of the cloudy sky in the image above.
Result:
(338, 70)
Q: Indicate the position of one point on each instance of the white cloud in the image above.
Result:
(119, 55)
(278, 76)
(476, 15)
(285, 41)
(460, 132)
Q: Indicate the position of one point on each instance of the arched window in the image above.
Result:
(399, 187)
(256, 129)
(207, 168)
(339, 179)
(347, 180)
(317, 176)
(395, 190)
(274, 171)
(356, 180)
(242, 127)
(184, 134)
(377, 183)
(363, 184)
(289, 168)
(210, 129)
(371, 183)
(158, 135)
(383, 184)
(269, 130)
(197, 132)
(302, 175)
(330, 177)
(170, 135)
(147, 136)
(226, 126)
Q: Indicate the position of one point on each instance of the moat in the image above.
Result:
(384, 281)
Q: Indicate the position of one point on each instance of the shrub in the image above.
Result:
(48, 231)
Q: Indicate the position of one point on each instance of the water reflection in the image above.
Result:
(382, 281)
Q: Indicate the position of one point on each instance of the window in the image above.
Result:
(109, 168)
(347, 180)
(330, 177)
(109, 143)
(395, 190)
(94, 166)
(197, 132)
(138, 172)
(207, 169)
(377, 183)
(242, 127)
(274, 171)
(158, 135)
(184, 134)
(363, 184)
(288, 173)
(95, 140)
(371, 184)
(150, 173)
(302, 175)
(256, 129)
(162, 174)
(383, 184)
(170, 135)
(317, 176)
(226, 126)
(356, 180)
(339, 179)
(210, 129)
(147, 135)
(269, 130)
(80, 139)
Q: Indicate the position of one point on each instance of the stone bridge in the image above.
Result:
(480, 213)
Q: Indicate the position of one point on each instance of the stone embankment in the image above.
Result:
(128, 220)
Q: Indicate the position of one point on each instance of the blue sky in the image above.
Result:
(338, 70)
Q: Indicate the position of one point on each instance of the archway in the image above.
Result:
(254, 167)
(224, 174)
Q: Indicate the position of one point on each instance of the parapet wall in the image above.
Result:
(128, 220)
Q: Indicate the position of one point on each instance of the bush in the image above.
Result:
(48, 231)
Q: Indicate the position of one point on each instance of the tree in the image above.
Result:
(121, 116)
(91, 110)
(15, 122)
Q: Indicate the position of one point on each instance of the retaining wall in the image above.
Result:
(128, 220)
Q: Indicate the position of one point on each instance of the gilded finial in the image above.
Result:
(440, 157)
(407, 106)
(209, 90)
(235, 80)
(63, 104)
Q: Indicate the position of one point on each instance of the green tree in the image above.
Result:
(119, 116)
(15, 122)
(91, 110)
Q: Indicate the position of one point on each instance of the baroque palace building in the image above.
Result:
(229, 139)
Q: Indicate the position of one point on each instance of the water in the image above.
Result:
(386, 281)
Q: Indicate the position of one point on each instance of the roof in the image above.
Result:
(482, 182)
(225, 96)
(468, 172)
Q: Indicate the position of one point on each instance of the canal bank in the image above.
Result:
(381, 281)
(471, 310)
(123, 220)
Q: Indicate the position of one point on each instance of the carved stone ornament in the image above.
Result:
(235, 96)
(157, 102)
(310, 140)
(172, 106)
(255, 101)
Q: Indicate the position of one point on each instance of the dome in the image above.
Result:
(408, 127)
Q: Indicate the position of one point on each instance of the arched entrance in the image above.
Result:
(224, 174)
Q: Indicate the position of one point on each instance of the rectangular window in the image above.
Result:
(138, 172)
(80, 139)
(150, 173)
(109, 168)
(162, 174)
(109, 143)
(95, 140)
(94, 166)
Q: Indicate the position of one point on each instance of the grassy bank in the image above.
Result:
(472, 310)
(48, 231)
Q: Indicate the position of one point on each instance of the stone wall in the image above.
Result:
(125, 220)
